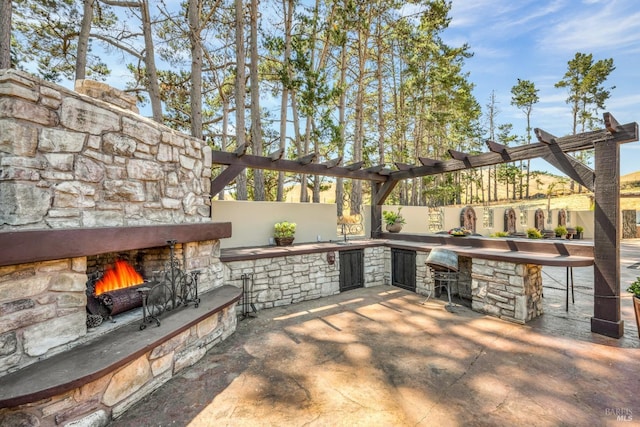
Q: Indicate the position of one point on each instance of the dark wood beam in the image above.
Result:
(305, 160)
(429, 162)
(374, 169)
(222, 180)
(241, 150)
(354, 166)
(610, 123)
(543, 136)
(494, 147)
(332, 163)
(41, 245)
(403, 166)
(569, 165)
(385, 171)
(376, 209)
(625, 133)
(463, 157)
(382, 192)
(606, 318)
(500, 149)
(276, 155)
(259, 162)
(458, 155)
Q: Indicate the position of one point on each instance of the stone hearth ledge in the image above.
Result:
(89, 362)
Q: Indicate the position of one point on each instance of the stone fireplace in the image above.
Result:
(82, 181)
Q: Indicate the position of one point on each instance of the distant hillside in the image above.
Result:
(561, 196)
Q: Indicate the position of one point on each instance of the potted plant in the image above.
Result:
(560, 230)
(459, 232)
(634, 288)
(283, 233)
(394, 220)
(579, 231)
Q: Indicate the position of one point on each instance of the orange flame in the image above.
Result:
(122, 275)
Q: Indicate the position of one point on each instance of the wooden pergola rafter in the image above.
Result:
(604, 182)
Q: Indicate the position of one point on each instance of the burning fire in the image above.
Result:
(122, 275)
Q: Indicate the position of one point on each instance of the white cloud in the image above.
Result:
(597, 27)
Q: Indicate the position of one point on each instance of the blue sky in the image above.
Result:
(534, 40)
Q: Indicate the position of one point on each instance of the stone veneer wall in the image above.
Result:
(68, 160)
(42, 305)
(96, 403)
(285, 280)
(507, 290)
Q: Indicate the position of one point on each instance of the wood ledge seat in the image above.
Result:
(83, 364)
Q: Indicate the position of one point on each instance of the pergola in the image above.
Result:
(604, 182)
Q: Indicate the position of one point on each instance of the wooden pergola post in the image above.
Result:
(606, 318)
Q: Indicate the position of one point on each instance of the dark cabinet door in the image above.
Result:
(403, 269)
(351, 269)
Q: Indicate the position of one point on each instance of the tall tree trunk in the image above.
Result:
(256, 123)
(241, 180)
(287, 7)
(342, 123)
(528, 177)
(195, 98)
(298, 139)
(83, 39)
(379, 68)
(358, 137)
(225, 131)
(150, 63)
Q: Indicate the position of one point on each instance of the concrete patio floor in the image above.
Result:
(378, 357)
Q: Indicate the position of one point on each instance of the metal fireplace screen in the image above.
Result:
(169, 289)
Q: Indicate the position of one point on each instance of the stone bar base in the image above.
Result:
(288, 279)
(506, 290)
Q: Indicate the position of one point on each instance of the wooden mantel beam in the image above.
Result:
(293, 166)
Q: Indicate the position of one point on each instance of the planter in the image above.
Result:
(394, 228)
(636, 308)
(284, 241)
(578, 235)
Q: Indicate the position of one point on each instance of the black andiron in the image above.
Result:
(172, 288)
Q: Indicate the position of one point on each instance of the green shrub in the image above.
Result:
(284, 229)
(634, 288)
(500, 234)
(391, 218)
(534, 233)
(579, 229)
(560, 230)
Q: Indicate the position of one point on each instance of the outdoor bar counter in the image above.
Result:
(552, 252)
(502, 276)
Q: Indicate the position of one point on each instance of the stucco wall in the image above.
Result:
(252, 222)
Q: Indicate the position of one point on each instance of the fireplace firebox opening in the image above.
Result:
(149, 278)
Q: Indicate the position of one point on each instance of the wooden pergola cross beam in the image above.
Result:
(569, 165)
